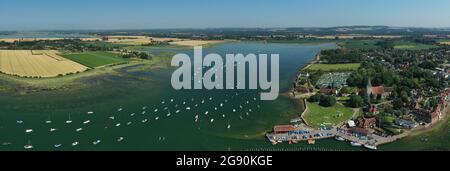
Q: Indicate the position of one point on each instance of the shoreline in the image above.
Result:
(407, 132)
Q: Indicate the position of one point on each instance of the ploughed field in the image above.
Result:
(37, 63)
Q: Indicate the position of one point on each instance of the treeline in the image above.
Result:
(333, 56)
(75, 45)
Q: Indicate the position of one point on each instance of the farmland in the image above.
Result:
(95, 59)
(411, 45)
(44, 63)
(333, 67)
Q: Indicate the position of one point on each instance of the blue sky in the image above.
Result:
(142, 14)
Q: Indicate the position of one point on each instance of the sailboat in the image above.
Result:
(48, 121)
(69, 121)
(28, 146)
(96, 142)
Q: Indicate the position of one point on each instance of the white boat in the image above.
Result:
(90, 112)
(157, 118)
(215, 108)
(178, 111)
(120, 139)
(240, 117)
(29, 130)
(112, 117)
(188, 108)
(133, 114)
(145, 120)
(163, 102)
(57, 145)
(221, 104)
(96, 142)
(168, 114)
(19, 122)
(87, 121)
(196, 118)
(75, 143)
(79, 129)
(143, 112)
(339, 138)
(52, 129)
(223, 116)
(48, 121)
(118, 124)
(212, 120)
(355, 144)
(229, 126)
(206, 113)
(372, 147)
(210, 98)
(120, 109)
(145, 107)
(171, 100)
(156, 110)
(28, 146)
(128, 123)
(69, 121)
(234, 110)
(203, 101)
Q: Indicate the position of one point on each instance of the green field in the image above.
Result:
(334, 67)
(407, 45)
(95, 59)
(317, 115)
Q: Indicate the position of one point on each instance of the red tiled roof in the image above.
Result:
(283, 128)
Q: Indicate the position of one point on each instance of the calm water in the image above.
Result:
(138, 110)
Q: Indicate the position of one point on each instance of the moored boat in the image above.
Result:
(371, 147)
(355, 144)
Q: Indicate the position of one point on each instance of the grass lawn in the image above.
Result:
(411, 45)
(318, 115)
(334, 67)
(94, 59)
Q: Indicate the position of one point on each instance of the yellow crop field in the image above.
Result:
(40, 63)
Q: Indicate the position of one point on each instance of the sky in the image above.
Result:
(153, 14)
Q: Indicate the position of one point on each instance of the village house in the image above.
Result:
(328, 91)
(365, 123)
(426, 115)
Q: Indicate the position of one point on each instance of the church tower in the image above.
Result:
(368, 88)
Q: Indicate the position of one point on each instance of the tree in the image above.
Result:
(356, 101)
(314, 98)
(327, 100)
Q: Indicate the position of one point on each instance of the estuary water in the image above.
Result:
(139, 110)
